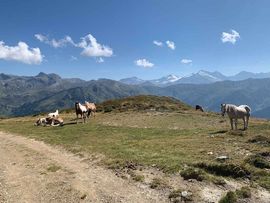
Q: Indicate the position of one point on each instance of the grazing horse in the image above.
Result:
(82, 110)
(91, 107)
(198, 107)
(236, 112)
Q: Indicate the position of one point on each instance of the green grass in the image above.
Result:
(138, 178)
(53, 168)
(230, 197)
(158, 183)
(168, 140)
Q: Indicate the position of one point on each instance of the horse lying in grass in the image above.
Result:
(236, 112)
(80, 110)
(50, 121)
(91, 107)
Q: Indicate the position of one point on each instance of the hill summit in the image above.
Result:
(144, 103)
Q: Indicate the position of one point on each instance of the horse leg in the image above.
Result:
(83, 117)
(77, 118)
(231, 120)
(244, 123)
(89, 112)
(235, 124)
(247, 122)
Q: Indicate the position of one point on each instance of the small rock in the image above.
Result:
(83, 196)
(185, 195)
(210, 153)
(222, 158)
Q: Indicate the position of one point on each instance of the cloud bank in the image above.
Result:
(21, 53)
(89, 45)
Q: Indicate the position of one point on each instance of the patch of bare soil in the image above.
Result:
(31, 171)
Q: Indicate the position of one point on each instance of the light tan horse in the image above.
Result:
(91, 107)
(236, 112)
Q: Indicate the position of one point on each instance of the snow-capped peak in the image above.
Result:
(207, 74)
(173, 78)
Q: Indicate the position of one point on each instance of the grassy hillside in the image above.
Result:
(143, 102)
(173, 141)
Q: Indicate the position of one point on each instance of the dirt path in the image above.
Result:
(31, 171)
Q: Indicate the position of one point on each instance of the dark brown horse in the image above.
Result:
(198, 107)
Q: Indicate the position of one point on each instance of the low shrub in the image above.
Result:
(192, 173)
(230, 197)
(243, 193)
(232, 170)
(258, 161)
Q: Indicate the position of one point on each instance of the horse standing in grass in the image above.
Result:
(82, 110)
(236, 112)
(91, 107)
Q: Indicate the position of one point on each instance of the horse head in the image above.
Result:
(223, 109)
(77, 107)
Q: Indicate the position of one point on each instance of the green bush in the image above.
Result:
(244, 192)
(258, 161)
(192, 173)
(230, 197)
(232, 170)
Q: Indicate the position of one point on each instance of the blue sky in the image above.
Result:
(114, 39)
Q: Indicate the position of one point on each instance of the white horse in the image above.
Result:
(236, 112)
(54, 114)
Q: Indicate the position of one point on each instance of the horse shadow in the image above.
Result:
(218, 132)
(70, 123)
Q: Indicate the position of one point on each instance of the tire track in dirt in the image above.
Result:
(31, 171)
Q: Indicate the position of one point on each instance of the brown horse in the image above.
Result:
(91, 108)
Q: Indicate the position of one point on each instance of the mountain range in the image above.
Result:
(201, 77)
(25, 95)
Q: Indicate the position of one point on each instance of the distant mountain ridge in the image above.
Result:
(24, 95)
(201, 77)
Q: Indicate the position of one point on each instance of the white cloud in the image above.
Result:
(170, 44)
(89, 45)
(230, 37)
(53, 42)
(186, 61)
(100, 60)
(41, 37)
(92, 48)
(21, 53)
(158, 43)
(144, 63)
